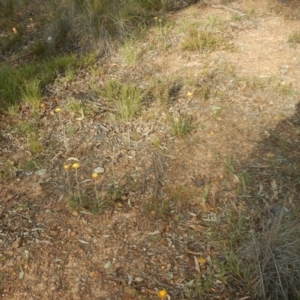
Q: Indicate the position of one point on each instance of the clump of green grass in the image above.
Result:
(26, 128)
(284, 89)
(78, 108)
(130, 53)
(130, 102)
(216, 22)
(294, 38)
(244, 179)
(158, 208)
(128, 98)
(164, 91)
(197, 287)
(230, 164)
(74, 106)
(31, 93)
(182, 126)
(6, 168)
(31, 165)
(35, 145)
(236, 18)
(204, 41)
(28, 80)
(89, 22)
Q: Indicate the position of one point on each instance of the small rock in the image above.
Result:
(100, 136)
(17, 243)
(41, 172)
(99, 170)
(124, 197)
(75, 213)
(95, 274)
(278, 209)
(119, 205)
(132, 153)
(10, 253)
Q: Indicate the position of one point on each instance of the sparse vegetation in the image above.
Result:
(294, 38)
(274, 258)
(188, 153)
(130, 53)
(127, 98)
(31, 94)
(98, 23)
(182, 126)
(31, 78)
(204, 41)
(34, 145)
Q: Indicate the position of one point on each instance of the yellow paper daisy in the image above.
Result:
(95, 175)
(201, 261)
(162, 294)
(76, 166)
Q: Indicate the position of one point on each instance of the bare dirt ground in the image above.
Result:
(166, 201)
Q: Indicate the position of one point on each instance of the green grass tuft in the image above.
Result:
(128, 98)
(204, 41)
(29, 80)
(182, 126)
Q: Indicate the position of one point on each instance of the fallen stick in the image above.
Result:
(235, 11)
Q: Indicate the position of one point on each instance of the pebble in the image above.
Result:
(124, 197)
(75, 213)
(119, 205)
(99, 170)
(100, 136)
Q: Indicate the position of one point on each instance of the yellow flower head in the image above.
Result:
(95, 175)
(162, 294)
(201, 261)
(76, 166)
(159, 20)
(189, 94)
(66, 167)
(155, 18)
(58, 110)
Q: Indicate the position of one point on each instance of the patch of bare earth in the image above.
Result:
(163, 201)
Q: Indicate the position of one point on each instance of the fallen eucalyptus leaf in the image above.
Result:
(108, 264)
(21, 274)
(41, 172)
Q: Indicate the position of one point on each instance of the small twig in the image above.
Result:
(77, 185)
(159, 170)
(112, 165)
(103, 128)
(104, 108)
(235, 11)
(3, 58)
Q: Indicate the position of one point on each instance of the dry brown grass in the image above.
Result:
(275, 259)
